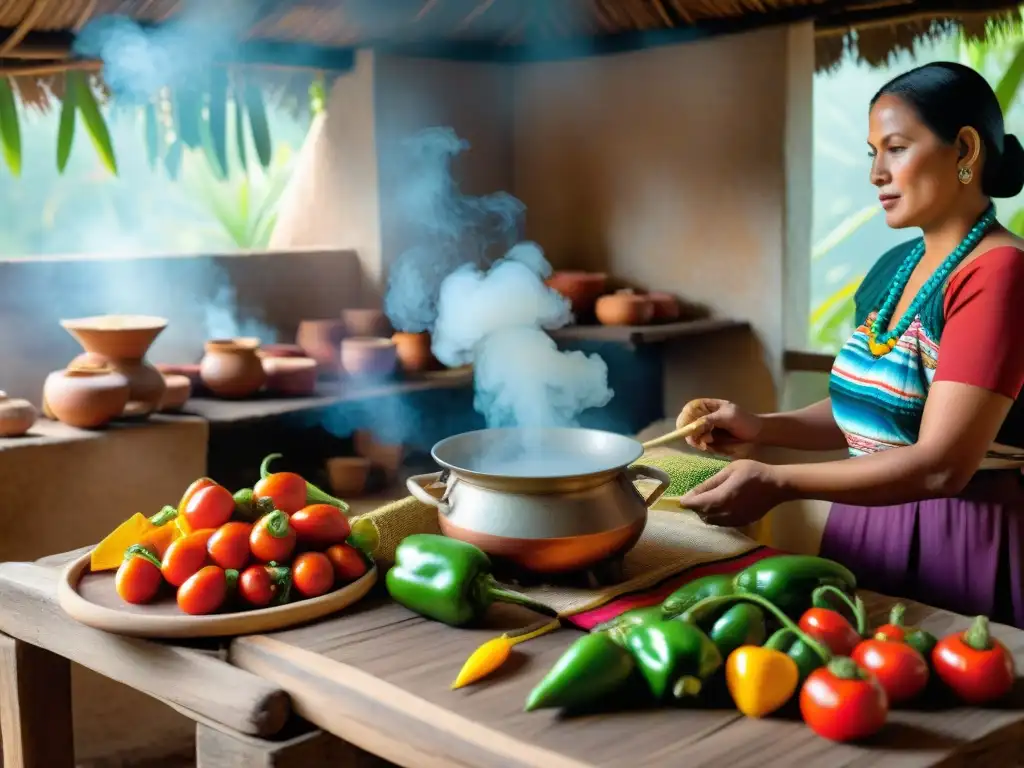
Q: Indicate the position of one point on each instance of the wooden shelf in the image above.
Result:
(328, 395)
(647, 334)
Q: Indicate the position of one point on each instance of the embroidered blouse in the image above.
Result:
(977, 322)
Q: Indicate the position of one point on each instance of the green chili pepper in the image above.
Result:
(788, 581)
(690, 594)
(743, 624)
(593, 667)
(447, 580)
(802, 654)
(675, 657)
(632, 618)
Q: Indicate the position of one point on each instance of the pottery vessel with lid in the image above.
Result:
(231, 368)
(87, 395)
(122, 341)
(624, 308)
(16, 416)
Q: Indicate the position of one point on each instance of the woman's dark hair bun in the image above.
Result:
(1008, 177)
(948, 97)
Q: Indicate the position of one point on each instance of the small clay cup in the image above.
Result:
(16, 416)
(231, 369)
(369, 358)
(319, 339)
(290, 376)
(347, 475)
(581, 288)
(366, 322)
(666, 307)
(624, 308)
(86, 395)
(413, 350)
(177, 392)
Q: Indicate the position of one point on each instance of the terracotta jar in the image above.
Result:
(666, 307)
(624, 308)
(177, 393)
(319, 340)
(16, 416)
(364, 357)
(122, 342)
(292, 376)
(232, 370)
(87, 396)
(366, 322)
(347, 475)
(413, 350)
(581, 288)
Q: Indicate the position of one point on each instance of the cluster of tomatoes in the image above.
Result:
(849, 699)
(291, 550)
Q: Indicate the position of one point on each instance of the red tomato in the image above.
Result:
(831, 629)
(286, 489)
(975, 665)
(312, 574)
(895, 630)
(185, 556)
(842, 702)
(272, 538)
(229, 545)
(210, 507)
(198, 485)
(320, 526)
(348, 562)
(256, 585)
(138, 579)
(204, 592)
(899, 669)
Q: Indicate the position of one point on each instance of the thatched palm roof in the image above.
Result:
(41, 30)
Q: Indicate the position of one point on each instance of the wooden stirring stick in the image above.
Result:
(671, 437)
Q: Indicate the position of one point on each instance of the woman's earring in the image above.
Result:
(965, 174)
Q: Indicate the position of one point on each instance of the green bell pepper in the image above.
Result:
(674, 656)
(688, 595)
(789, 581)
(447, 580)
(593, 667)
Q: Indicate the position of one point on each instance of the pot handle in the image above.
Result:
(417, 486)
(640, 471)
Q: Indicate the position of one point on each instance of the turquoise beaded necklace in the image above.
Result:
(881, 341)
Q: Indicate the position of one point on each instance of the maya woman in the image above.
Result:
(930, 502)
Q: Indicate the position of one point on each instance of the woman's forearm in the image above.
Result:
(812, 428)
(896, 476)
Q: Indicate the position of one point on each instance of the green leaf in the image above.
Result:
(66, 130)
(93, 119)
(240, 133)
(1016, 223)
(218, 118)
(258, 121)
(841, 297)
(846, 228)
(10, 127)
(152, 135)
(1009, 83)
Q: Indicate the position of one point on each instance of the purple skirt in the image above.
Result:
(964, 554)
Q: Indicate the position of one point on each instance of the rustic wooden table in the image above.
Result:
(377, 677)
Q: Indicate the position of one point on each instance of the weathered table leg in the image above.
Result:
(220, 748)
(35, 707)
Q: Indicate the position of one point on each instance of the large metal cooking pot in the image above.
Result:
(547, 500)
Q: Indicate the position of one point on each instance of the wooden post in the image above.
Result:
(220, 748)
(35, 707)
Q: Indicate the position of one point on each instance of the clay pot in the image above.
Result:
(624, 308)
(347, 475)
(666, 307)
(581, 288)
(365, 357)
(177, 393)
(292, 376)
(16, 416)
(366, 322)
(413, 350)
(319, 339)
(190, 371)
(87, 396)
(281, 350)
(232, 370)
(122, 342)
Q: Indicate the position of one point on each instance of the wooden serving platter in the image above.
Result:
(91, 599)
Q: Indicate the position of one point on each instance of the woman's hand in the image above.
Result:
(740, 494)
(726, 429)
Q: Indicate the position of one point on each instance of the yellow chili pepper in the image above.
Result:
(492, 654)
(760, 679)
